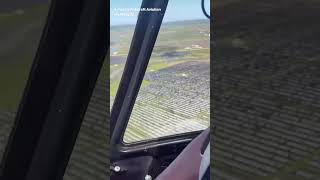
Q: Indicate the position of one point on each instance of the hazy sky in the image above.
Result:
(177, 10)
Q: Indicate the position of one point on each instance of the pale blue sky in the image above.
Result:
(177, 10)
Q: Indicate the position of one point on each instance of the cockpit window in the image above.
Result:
(174, 97)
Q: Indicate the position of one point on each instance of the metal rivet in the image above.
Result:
(148, 177)
(117, 168)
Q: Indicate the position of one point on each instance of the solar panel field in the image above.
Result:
(175, 94)
(266, 91)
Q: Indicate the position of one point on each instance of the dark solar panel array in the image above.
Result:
(266, 91)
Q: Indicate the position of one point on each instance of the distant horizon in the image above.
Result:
(167, 22)
(177, 10)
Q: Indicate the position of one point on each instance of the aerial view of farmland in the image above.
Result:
(174, 96)
(266, 93)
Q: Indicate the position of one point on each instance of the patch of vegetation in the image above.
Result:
(114, 84)
(138, 131)
(156, 66)
(9, 22)
(232, 171)
(16, 61)
(145, 83)
(295, 166)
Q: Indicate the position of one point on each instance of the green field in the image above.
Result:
(19, 37)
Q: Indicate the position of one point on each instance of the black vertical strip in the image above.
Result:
(73, 93)
(212, 105)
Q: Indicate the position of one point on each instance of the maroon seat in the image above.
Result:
(186, 165)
